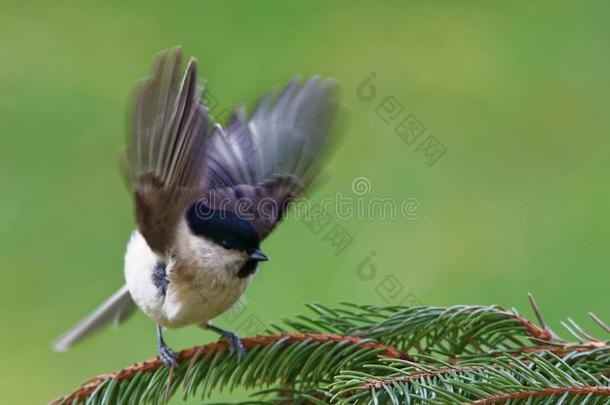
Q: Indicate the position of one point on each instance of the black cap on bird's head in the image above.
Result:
(226, 229)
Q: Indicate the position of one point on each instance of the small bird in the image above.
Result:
(205, 196)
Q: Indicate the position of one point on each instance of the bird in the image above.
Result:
(205, 196)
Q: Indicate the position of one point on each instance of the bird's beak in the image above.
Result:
(259, 256)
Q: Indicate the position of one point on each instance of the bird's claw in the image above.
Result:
(168, 357)
(235, 344)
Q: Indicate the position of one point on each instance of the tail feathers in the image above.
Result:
(117, 308)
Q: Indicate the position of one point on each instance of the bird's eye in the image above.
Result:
(224, 243)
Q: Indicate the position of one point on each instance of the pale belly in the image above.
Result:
(200, 288)
(208, 294)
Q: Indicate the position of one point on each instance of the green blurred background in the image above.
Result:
(518, 94)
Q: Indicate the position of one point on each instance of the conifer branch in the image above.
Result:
(357, 354)
(354, 348)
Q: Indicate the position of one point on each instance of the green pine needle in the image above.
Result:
(363, 354)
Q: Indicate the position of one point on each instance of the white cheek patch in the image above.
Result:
(203, 253)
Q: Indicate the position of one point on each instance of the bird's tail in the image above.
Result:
(115, 309)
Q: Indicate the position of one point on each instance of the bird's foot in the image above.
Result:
(234, 342)
(166, 355)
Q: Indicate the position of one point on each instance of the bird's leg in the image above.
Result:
(234, 342)
(167, 355)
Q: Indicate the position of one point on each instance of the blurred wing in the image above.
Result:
(272, 156)
(165, 157)
(263, 204)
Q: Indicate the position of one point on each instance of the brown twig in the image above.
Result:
(195, 352)
(560, 350)
(568, 347)
(534, 330)
(547, 392)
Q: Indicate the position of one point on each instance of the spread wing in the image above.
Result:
(257, 165)
(165, 155)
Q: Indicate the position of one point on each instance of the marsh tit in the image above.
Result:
(205, 196)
